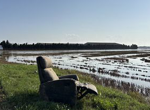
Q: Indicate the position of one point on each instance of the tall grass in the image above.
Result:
(21, 84)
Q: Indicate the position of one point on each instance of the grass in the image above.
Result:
(20, 84)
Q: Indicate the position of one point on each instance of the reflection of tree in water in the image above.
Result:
(1, 52)
(124, 86)
(100, 70)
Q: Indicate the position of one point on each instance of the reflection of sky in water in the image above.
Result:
(135, 67)
(68, 51)
(60, 51)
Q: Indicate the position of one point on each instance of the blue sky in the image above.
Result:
(75, 21)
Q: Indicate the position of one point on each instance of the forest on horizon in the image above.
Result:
(65, 46)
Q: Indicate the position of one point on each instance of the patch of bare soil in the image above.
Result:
(146, 60)
(109, 53)
(140, 55)
(117, 59)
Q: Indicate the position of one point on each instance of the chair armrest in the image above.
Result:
(63, 90)
(72, 76)
(60, 82)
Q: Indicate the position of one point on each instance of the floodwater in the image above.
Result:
(130, 69)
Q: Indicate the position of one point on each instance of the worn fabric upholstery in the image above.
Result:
(45, 62)
(63, 90)
(66, 89)
(72, 76)
(46, 72)
(49, 75)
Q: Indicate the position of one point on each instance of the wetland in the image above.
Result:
(127, 70)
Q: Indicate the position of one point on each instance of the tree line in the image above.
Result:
(64, 46)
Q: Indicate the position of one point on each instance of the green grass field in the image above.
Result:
(20, 85)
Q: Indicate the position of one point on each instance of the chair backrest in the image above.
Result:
(45, 70)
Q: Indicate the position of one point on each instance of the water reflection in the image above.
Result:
(113, 70)
(1, 53)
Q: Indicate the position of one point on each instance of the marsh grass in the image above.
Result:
(20, 84)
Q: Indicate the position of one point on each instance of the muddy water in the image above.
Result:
(120, 71)
(1, 52)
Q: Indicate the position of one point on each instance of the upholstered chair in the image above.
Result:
(66, 89)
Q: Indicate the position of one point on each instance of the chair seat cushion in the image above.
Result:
(49, 75)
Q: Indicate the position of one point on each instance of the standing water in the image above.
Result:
(123, 69)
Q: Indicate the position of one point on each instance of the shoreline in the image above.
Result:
(19, 95)
(105, 81)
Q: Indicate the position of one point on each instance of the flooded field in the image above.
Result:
(128, 70)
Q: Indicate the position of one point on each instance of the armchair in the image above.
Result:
(66, 89)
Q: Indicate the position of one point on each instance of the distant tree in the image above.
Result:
(63, 46)
(15, 46)
(3, 43)
(7, 42)
(134, 46)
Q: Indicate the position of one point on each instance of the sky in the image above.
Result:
(75, 21)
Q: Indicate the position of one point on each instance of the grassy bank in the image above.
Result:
(20, 84)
